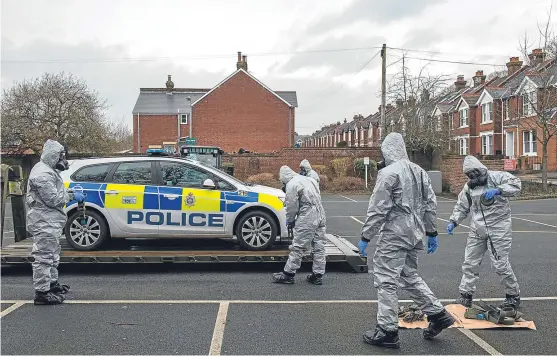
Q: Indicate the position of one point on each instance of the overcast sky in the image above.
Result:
(121, 45)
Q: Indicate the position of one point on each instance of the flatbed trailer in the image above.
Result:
(338, 251)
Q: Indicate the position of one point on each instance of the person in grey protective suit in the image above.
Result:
(46, 197)
(306, 170)
(485, 197)
(306, 216)
(401, 212)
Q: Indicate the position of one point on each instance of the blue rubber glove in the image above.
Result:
(431, 244)
(79, 197)
(362, 245)
(450, 228)
(491, 193)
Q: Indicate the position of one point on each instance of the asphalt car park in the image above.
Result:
(185, 310)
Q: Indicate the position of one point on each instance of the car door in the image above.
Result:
(189, 208)
(131, 199)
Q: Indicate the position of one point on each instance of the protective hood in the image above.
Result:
(471, 163)
(305, 165)
(51, 153)
(286, 174)
(393, 148)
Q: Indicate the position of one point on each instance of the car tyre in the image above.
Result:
(256, 231)
(90, 236)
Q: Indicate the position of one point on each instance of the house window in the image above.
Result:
(529, 143)
(463, 146)
(486, 113)
(184, 119)
(463, 117)
(487, 144)
(528, 101)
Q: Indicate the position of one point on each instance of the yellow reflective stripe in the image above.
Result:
(271, 200)
(201, 200)
(129, 196)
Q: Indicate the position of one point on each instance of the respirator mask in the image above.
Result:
(62, 163)
(476, 178)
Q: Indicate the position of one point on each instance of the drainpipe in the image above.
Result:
(178, 132)
(289, 126)
(138, 132)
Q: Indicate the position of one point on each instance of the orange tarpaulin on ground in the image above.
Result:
(457, 311)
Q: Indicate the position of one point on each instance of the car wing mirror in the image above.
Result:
(208, 183)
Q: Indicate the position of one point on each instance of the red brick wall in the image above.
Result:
(156, 129)
(246, 165)
(243, 114)
(451, 170)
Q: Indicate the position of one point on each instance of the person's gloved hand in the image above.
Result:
(79, 197)
(450, 228)
(290, 225)
(431, 244)
(491, 193)
(362, 245)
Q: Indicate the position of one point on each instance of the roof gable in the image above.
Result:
(485, 97)
(241, 70)
(462, 104)
(526, 83)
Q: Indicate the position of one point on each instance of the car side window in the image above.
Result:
(95, 173)
(176, 174)
(133, 173)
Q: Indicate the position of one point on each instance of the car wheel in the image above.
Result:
(256, 231)
(86, 234)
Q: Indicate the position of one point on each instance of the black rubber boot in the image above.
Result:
(316, 279)
(283, 278)
(48, 298)
(511, 301)
(382, 338)
(58, 288)
(437, 323)
(465, 299)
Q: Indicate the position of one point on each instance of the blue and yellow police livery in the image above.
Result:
(163, 197)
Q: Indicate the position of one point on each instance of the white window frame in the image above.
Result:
(484, 136)
(529, 99)
(487, 116)
(463, 145)
(463, 120)
(530, 146)
(186, 116)
(507, 109)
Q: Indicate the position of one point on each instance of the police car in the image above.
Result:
(164, 197)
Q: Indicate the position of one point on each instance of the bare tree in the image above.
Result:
(418, 95)
(540, 103)
(55, 106)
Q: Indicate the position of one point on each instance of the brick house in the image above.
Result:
(239, 112)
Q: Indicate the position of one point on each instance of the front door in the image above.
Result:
(131, 200)
(188, 208)
(510, 144)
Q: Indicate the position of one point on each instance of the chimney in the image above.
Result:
(460, 82)
(513, 65)
(169, 85)
(536, 57)
(245, 63)
(389, 106)
(411, 101)
(479, 78)
(379, 108)
(399, 103)
(239, 63)
(425, 95)
(345, 121)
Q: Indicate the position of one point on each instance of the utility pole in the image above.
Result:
(383, 88)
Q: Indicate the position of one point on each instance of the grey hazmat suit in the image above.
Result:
(46, 197)
(303, 206)
(309, 171)
(401, 209)
(497, 223)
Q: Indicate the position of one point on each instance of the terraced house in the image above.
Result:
(495, 117)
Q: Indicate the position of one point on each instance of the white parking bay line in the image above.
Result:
(480, 342)
(342, 196)
(218, 333)
(357, 220)
(535, 222)
(11, 308)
